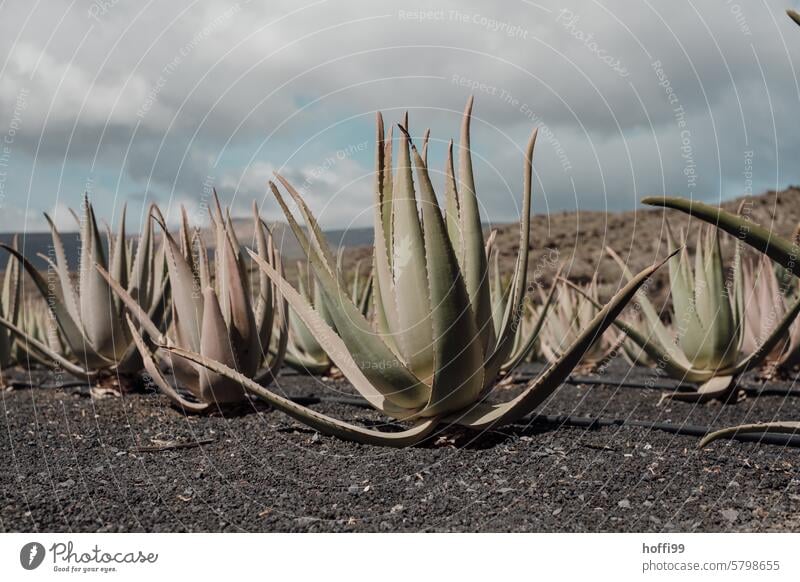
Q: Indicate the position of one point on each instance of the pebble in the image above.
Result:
(624, 504)
(730, 514)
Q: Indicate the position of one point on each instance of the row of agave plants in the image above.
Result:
(424, 338)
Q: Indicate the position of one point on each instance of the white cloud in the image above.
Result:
(158, 97)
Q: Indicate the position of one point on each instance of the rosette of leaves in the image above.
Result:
(781, 250)
(433, 353)
(214, 316)
(90, 319)
(708, 318)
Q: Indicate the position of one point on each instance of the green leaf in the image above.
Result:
(458, 355)
(779, 249)
(474, 266)
(762, 427)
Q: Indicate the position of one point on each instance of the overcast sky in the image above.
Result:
(159, 101)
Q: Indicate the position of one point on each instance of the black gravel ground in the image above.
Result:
(76, 462)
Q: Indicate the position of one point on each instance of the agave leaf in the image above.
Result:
(141, 280)
(72, 333)
(384, 181)
(264, 311)
(533, 335)
(655, 325)
(413, 329)
(483, 416)
(474, 267)
(385, 297)
(315, 233)
(187, 300)
(425, 138)
(316, 420)
(714, 306)
(279, 320)
(157, 376)
(9, 305)
(306, 364)
(715, 387)
(458, 355)
(97, 311)
(452, 211)
(216, 344)
(63, 362)
(779, 249)
(131, 361)
(302, 336)
(119, 258)
(241, 322)
(62, 269)
(505, 339)
(133, 306)
(761, 427)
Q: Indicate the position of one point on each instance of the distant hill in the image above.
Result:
(34, 243)
(577, 239)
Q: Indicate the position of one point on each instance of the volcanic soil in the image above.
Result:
(78, 460)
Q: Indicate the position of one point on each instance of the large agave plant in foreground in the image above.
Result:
(214, 316)
(433, 354)
(781, 250)
(708, 319)
(89, 317)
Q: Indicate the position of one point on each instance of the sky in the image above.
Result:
(139, 102)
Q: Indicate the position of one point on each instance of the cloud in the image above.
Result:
(154, 101)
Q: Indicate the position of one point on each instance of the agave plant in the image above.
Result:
(214, 315)
(89, 317)
(574, 308)
(432, 354)
(781, 250)
(10, 311)
(709, 321)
